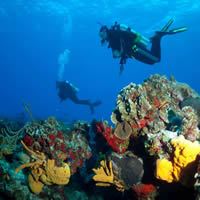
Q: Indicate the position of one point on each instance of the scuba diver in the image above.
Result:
(66, 90)
(127, 43)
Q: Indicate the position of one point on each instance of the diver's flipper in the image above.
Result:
(164, 31)
(177, 30)
(167, 25)
(170, 32)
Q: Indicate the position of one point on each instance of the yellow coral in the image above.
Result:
(181, 167)
(104, 174)
(44, 171)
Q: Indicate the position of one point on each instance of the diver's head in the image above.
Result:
(103, 34)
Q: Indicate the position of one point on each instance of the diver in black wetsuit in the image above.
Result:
(67, 91)
(126, 43)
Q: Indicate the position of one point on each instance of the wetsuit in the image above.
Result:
(125, 41)
(67, 91)
(129, 44)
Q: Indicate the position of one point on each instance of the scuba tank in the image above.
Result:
(74, 88)
(140, 39)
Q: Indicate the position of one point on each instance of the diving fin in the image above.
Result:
(178, 30)
(167, 25)
(172, 31)
(165, 31)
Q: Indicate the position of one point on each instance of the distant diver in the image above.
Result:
(67, 90)
(127, 43)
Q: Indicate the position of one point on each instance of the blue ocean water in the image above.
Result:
(33, 33)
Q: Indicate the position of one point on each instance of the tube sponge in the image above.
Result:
(181, 167)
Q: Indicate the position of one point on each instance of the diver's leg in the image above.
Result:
(156, 39)
(76, 100)
(87, 102)
(156, 47)
(144, 55)
(154, 55)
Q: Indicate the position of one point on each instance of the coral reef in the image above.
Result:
(190, 124)
(194, 103)
(151, 151)
(70, 144)
(153, 107)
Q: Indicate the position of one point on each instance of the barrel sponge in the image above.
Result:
(180, 168)
(185, 154)
(164, 170)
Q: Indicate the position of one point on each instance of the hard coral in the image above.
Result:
(146, 106)
(194, 103)
(190, 128)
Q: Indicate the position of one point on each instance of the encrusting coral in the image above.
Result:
(182, 167)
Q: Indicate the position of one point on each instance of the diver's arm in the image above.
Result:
(122, 63)
(124, 53)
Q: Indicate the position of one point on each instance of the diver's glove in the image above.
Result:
(122, 63)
